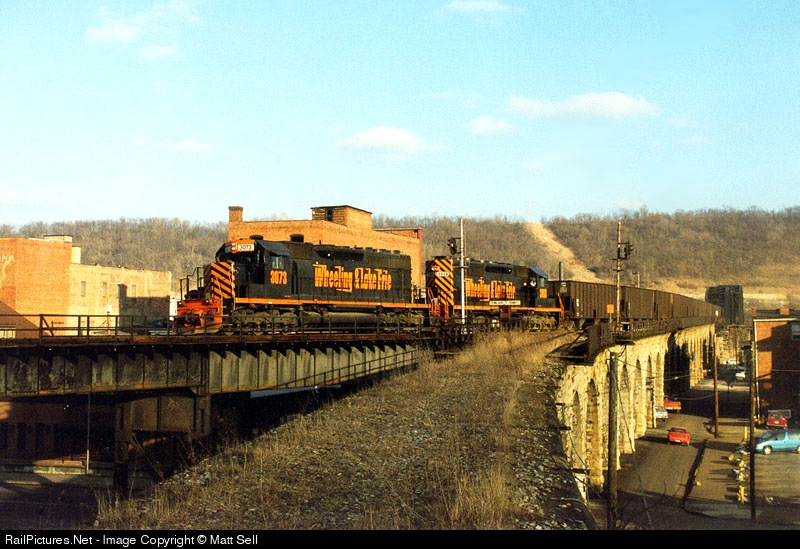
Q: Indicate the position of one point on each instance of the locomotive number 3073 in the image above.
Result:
(278, 277)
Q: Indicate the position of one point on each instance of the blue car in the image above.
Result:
(778, 441)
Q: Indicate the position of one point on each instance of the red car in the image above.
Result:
(678, 435)
(777, 420)
(672, 405)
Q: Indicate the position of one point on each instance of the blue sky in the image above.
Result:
(458, 108)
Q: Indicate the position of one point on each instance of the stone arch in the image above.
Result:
(576, 445)
(626, 408)
(639, 397)
(650, 388)
(577, 434)
(594, 435)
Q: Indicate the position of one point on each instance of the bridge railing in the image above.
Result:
(47, 326)
(600, 336)
(329, 377)
(46, 329)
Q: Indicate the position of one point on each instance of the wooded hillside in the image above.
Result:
(683, 252)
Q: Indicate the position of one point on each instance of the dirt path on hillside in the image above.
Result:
(573, 268)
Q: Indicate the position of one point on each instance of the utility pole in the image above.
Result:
(611, 515)
(457, 248)
(716, 398)
(752, 444)
(624, 250)
(463, 276)
(619, 270)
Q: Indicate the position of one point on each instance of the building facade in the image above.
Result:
(335, 225)
(42, 281)
(776, 360)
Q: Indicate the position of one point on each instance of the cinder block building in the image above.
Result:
(44, 276)
(336, 225)
(776, 360)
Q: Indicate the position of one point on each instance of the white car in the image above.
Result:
(741, 376)
(661, 413)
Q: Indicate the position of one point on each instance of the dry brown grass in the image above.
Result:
(430, 449)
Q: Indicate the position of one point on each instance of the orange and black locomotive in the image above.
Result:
(257, 286)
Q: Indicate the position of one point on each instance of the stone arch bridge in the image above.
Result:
(647, 370)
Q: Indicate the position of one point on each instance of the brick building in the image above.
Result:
(336, 225)
(44, 276)
(776, 360)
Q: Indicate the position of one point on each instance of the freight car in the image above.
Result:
(589, 303)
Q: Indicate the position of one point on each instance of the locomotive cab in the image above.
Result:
(261, 268)
(537, 289)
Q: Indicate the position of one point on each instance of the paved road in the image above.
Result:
(695, 488)
(33, 502)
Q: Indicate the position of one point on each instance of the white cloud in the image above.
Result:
(546, 162)
(154, 53)
(111, 30)
(590, 105)
(472, 6)
(127, 29)
(190, 145)
(396, 143)
(534, 165)
(489, 125)
(698, 140)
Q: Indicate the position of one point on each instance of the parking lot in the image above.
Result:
(707, 485)
(723, 469)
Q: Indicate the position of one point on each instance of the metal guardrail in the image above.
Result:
(600, 336)
(49, 328)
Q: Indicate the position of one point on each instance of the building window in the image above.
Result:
(83, 288)
(795, 330)
(22, 432)
(7, 332)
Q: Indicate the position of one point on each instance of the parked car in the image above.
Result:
(741, 375)
(778, 441)
(777, 420)
(678, 435)
(672, 405)
(661, 413)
